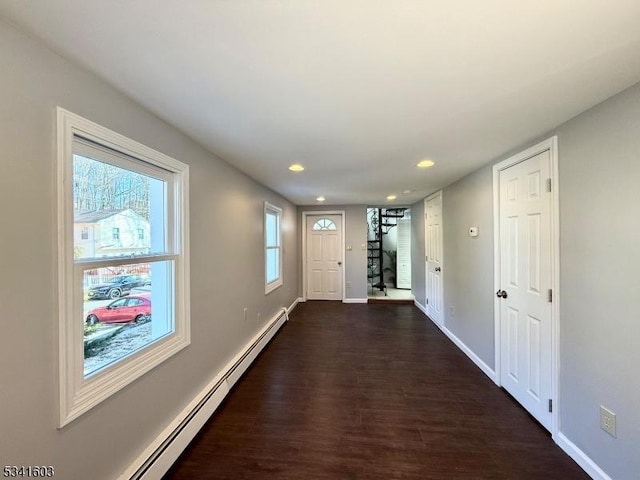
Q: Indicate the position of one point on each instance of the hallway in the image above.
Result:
(354, 391)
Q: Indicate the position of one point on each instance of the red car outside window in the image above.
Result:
(122, 310)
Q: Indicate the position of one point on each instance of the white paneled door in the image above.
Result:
(525, 284)
(324, 257)
(434, 257)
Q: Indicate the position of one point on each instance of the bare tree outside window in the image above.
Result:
(100, 186)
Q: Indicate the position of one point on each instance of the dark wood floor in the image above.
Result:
(369, 392)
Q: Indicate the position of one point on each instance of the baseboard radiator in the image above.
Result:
(157, 460)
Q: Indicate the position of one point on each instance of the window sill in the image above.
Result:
(270, 287)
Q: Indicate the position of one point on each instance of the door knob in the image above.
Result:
(438, 269)
(501, 294)
(339, 263)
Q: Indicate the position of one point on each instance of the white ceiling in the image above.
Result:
(357, 91)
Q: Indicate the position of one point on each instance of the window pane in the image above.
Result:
(117, 212)
(124, 311)
(272, 230)
(324, 224)
(273, 264)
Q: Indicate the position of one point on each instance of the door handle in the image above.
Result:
(339, 263)
(501, 294)
(438, 269)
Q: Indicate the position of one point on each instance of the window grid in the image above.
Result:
(324, 224)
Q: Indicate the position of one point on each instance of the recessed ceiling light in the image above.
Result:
(296, 167)
(426, 164)
(321, 199)
(391, 197)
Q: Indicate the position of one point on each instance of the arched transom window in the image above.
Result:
(324, 224)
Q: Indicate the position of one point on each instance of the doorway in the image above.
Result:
(323, 267)
(526, 273)
(434, 257)
(389, 254)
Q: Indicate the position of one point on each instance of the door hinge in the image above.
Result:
(550, 405)
(548, 185)
(550, 296)
(427, 301)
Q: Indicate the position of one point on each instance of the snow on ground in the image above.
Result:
(129, 339)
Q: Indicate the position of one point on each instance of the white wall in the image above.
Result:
(599, 171)
(227, 270)
(599, 162)
(468, 262)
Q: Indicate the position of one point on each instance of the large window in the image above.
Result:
(124, 293)
(272, 247)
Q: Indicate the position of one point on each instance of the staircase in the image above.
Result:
(380, 223)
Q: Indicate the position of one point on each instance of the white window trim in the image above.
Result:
(77, 393)
(270, 208)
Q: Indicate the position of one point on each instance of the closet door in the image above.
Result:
(403, 267)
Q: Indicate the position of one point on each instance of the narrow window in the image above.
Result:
(116, 324)
(273, 247)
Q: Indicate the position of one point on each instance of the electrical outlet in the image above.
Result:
(348, 284)
(258, 320)
(245, 314)
(452, 310)
(608, 421)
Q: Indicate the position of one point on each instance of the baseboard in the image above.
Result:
(158, 457)
(293, 305)
(581, 458)
(486, 369)
(354, 300)
(421, 307)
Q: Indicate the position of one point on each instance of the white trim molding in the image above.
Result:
(421, 307)
(581, 458)
(158, 457)
(486, 369)
(355, 300)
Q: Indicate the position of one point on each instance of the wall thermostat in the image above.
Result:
(473, 231)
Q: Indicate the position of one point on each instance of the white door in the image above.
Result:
(525, 282)
(434, 260)
(324, 257)
(403, 259)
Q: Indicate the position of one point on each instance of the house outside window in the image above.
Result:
(273, 246)
(127, 192)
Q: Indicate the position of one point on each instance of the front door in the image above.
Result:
(525, 312)
(434, 261)
(324, 257)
